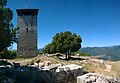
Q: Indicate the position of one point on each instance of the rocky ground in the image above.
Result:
(107, 68)
(77, 69)
(96, 78)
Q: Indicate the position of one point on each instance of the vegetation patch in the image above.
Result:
(7, 54)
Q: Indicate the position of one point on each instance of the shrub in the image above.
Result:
(8, 54)
(40, 53)
(85, 54)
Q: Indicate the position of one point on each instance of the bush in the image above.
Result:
(85, 54)
(40, 53)
(8, 54)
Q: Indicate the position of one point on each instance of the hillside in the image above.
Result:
(107, 53)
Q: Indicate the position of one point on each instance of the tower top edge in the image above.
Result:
(21, 12)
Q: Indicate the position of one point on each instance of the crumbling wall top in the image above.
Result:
(21, 12)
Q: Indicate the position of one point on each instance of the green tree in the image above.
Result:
(7, 30)
(46, 49)
(65, 42)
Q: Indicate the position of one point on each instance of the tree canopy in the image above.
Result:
(7, 30)
(64, 42)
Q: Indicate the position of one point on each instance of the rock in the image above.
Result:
(45, 68)
(36, 64)
(71, 67)
(67, 69)
(61, 76)
(47, 63)
(93, 78)
(96, 78)
(41, 64)
(102, 80)
(59, 69)
(101, 61)
(77, 54)
(68, 73)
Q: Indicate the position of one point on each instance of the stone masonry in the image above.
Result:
(27, 33)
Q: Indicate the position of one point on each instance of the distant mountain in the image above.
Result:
(107, 53)
(40, 49)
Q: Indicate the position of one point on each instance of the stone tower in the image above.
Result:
(27, 33)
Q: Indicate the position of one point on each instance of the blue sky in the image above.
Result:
(96, 21)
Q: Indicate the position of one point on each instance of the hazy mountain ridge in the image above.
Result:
(108, 53)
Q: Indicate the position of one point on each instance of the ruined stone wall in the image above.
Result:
(33, 75)
(27, 36)
(14, 73)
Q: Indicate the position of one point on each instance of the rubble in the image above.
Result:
(96, 78)
(50, 73)
(41, 73)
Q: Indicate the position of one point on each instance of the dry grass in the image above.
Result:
(115, 71)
